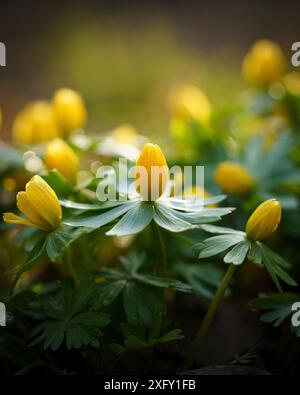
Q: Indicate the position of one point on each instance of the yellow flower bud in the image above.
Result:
(35, 124)
(188, 102)
(264, 64)
(59, 155)
(39, 204)
(153, 181)
(264, 220)
(69, 110)
(292, 83)
(234, 178)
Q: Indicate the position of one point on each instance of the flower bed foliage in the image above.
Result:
(122, 285)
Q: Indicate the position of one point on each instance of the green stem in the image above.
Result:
(207, 321)
(69, 269)
(160, 265)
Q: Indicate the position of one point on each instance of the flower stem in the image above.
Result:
(207, 321)
(160, 266)
(69, 269)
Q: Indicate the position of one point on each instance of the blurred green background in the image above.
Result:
(125, 55)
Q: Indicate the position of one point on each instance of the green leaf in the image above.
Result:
(96, 221)
(254, 254)
(105, 293)
(165, 218)
(217, 244)
(142, 302)
(58, 183)
(221, 230)
(238, 253)
(274, 264)
(163, 282)
(34, 259)
(280, 306)
(204, 278)
(134, 221)
(138, 339)
(68, 319)
(59, 240)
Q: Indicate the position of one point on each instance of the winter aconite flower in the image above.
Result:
(39, 204)
(59, 155)
(189, 103)
(35, 124)
(69, 110)
(264, 64)
(264, 220)
(153, 181)
(234, 178)
(138, 207)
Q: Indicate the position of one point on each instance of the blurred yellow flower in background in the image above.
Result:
(39, 204)
(292, 83)
(234, 178)
(69, 109)
(35, 124)
(187, 102)
(264, 220)
(125, 133)
(59, 155)
(150, 157)
(264, 64)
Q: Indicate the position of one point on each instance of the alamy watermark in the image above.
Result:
(295, 59)
(121, 182)
(2, 314)
(296, 314)
(2, 54)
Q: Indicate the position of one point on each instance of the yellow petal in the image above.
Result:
(27, 208)
(153, 161)
(11, 218)
(264, 64)
(233, 178)
(69, 110)
(60, 156)
(264, 220)
(44, 199)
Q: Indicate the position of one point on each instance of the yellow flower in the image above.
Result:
(153, 181)
(264, 220)
(39, 204)
(35, 124)
(59, 155)
(69, 110)
(125, 133)
(264, 64)
(292, 83)
(188, 102)
(233, 178)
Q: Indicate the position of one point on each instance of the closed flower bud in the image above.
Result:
(264, 64)
(152, 173)
(189, 103)
(264, 220)
(35, 124)
(234, 178)
(39, 204)
(59, 155)
(69, 110)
